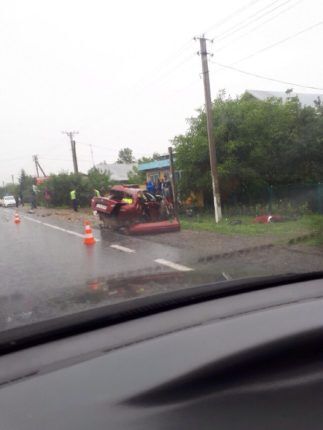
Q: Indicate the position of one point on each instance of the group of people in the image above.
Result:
(74, 199)
(161, 187)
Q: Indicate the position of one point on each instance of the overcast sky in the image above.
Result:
(126, 73)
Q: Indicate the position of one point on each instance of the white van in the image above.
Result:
(8, 201)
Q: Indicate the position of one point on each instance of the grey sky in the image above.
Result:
(126, 73)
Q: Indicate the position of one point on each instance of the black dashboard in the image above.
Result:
(249, 360)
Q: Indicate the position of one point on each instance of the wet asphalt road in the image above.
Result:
(47, 271)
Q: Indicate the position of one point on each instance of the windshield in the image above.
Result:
(131, 166)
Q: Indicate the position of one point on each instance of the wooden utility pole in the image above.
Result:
(173, 181)
(71, 134)
(209, 119)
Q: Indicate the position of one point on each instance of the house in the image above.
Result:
(306, 99)
(156, 169)
(118, 172)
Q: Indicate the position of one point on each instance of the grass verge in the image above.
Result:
(306, 224)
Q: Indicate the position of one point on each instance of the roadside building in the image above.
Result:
(305, 99)
(157, 169)
(117, 172)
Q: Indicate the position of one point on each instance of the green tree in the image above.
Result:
(98, 180)
(136, 177)
(125, 156)
(258, 143)
(59, 187)
(25, 185)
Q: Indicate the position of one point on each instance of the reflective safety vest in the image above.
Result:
(127, 200)
(97, 193)
(73, 195)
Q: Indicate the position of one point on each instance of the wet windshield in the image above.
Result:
(131, 166)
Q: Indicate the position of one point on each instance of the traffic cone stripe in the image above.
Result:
(88, 236)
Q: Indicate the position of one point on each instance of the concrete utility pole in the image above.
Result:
(209, 118)
(71, 134)
(38, 166)
(173, 181)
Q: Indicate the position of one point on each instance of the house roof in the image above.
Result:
(306, 99)
(153, 165)
(117, 172)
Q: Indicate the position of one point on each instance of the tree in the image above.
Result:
(59, 187)
(146, 159)
(125, 156)
(25, 185)
(136, 177)
(258, 143)
(98, 180)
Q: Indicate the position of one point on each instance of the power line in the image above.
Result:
(240, 36)
(256, 75)
(231, 15)
(249, 20)
(279, 42)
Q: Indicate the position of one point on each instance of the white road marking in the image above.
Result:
(175, 266)
(56, 227)
(122, 248)
(226, 276)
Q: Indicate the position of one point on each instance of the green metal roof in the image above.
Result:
(153, 165)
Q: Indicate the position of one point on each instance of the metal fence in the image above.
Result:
(285, 199)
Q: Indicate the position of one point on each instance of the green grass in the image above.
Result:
(304, 225)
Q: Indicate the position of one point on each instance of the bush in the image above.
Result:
(59, 187)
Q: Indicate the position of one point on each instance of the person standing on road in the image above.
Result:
(34, 197)
(74, 200)
(21, 199)
(96, 193)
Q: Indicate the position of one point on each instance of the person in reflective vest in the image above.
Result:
(74, 200)
(96, 193)
(127, 199)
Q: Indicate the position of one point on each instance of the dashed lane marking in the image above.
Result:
(226, 276)
(175, 266)
(55, 227)
(122, 248)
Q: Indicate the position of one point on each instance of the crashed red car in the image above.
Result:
(129, 209)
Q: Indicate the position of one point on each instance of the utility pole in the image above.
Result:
(209, 119)
(172, 172)
(36, 164)
(71, 134)
(13, 179)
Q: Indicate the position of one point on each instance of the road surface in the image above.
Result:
(47, 271)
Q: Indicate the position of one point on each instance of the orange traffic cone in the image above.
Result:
(17, 218)
(88, 237)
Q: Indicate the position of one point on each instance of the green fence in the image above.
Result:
(284, 199)
(296, 197)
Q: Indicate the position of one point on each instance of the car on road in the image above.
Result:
(8, 201)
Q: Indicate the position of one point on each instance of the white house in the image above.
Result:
(118, 172)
